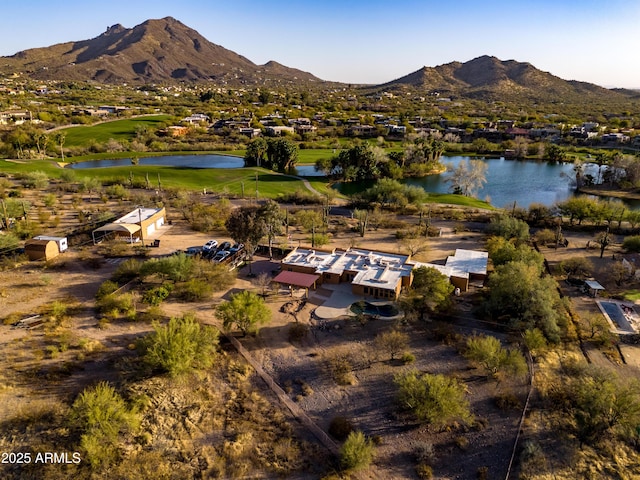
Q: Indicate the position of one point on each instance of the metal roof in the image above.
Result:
(296, 279)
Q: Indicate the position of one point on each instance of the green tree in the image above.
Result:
(246, 225)
(357, 452)
(246, 311)
(503, 251)
(256, 153)
(273, 217)
(180, 346)
(102, 417)
(282, 154)
(434, 399)
(520, 296)
(601, 404)
(487, 352)
(430, 292)
(579, 266)
(392, 342)
(509, 228)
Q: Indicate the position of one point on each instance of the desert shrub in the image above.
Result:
(114, 248)
(127, 271)
(156, 295)
(306, 389)
(102, 417)
(392, 342)
(216, 275)
(106, 288)
(424, 452)
(340, 428)
(117, 191)
(37, 179)
(8, 241)
(341, 370)
(407, 358)
(194, 290)
(507, 401)
(462, 442)
(177, 268)
(180, 346)
(298, 331)
(115, 306)
(357, 452)
(300, 197)
(434, 399)
(152, 314)
(632, 244)
(51, 351)
(424, 471)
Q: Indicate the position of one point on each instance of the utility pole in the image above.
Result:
(141, 229)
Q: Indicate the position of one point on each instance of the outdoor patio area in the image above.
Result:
(335, 301)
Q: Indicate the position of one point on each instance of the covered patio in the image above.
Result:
(297, 279)
(120, 229)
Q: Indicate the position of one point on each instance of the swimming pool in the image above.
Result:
(615, 313)
(384, 310)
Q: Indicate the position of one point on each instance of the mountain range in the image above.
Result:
(165, 50)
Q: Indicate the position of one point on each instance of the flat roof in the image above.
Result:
(594, 285)
(471, 261)
(296, 279)
(138, 215)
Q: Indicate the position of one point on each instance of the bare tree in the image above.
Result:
(467, 177)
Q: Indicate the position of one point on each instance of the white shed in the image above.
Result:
(61, 241)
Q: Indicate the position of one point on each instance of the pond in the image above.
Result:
(190, 161)
(524, 182)
(186, 161)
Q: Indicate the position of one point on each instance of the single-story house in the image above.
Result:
(379, 274)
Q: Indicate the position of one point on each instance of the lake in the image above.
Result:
(189, 161)
(186, 161)
(522, 181)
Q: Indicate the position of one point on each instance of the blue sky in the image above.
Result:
(370, 41)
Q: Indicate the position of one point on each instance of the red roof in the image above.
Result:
(296, 279)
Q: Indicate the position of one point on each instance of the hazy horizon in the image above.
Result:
(369, 42)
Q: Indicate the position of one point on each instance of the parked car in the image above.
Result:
(210, 245)
(224, 246)
(221, 255)
(236, 248)
(193, 251)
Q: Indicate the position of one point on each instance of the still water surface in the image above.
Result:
(524, 182)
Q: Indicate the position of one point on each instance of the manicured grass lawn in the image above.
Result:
(458, 200)
(118, 130)
(632, 295)
(218, 180)
(309, 157)
(270, 184)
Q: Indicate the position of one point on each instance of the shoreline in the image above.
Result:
(610, 192)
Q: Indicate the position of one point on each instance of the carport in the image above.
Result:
(121, 229)
(297, 279)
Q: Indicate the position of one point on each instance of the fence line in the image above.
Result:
(524, 414)
(295, 409)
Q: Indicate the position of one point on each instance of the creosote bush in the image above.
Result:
(340, 428)
(357, 452)
(180, 346)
